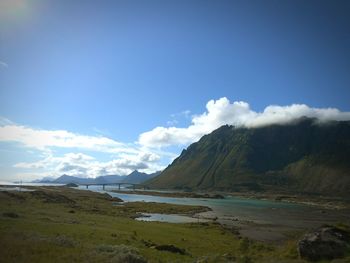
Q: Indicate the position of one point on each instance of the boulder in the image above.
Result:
(326, 243)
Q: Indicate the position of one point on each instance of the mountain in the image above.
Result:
(137, 177)
(301, 157)
(66, 179)
(47, 179)
(110, 179)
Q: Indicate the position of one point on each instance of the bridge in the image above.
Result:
(119, 184)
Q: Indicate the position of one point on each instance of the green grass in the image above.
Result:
(80, 227)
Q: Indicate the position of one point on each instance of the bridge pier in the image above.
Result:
(119, 185)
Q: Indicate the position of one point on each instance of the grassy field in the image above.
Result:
(58, 224)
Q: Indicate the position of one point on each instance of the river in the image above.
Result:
(258, 219)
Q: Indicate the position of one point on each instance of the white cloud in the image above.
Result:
(27, 176)
(121, 158)
(222, 111)
(146, 155)
(45, 139)
(82, 165)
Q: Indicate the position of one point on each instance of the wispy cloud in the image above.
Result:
(5, 121)
(175, 116)
(3, 64)
(222, 111)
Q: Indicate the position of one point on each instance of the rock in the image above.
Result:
(327, 243)
(117, 200)
(111, 198)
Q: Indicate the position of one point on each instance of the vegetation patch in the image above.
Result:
(48, 197)
(49, 230)
(10, 214)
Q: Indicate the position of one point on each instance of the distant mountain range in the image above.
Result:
(135, 177)
(301, 157)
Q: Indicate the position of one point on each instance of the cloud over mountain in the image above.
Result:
(222, 111)
(65, 152)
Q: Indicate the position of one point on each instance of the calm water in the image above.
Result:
(14, 188)
(27, 184)
(235, 210)
(258, 219)
(169, 218)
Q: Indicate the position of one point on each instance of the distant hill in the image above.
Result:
(137, 177)
(110, 179)
(66, 179)
(134, 177)
(47, 179)
(301, 157)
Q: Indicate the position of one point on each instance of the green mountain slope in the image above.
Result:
(302, 156)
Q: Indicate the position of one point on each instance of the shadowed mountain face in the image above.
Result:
(301, 157)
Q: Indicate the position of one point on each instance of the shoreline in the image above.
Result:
(325, 202)
(69, 223)
(331, 203)
(270, 233)
(171, 194)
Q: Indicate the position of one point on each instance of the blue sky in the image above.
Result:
(117, 70)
